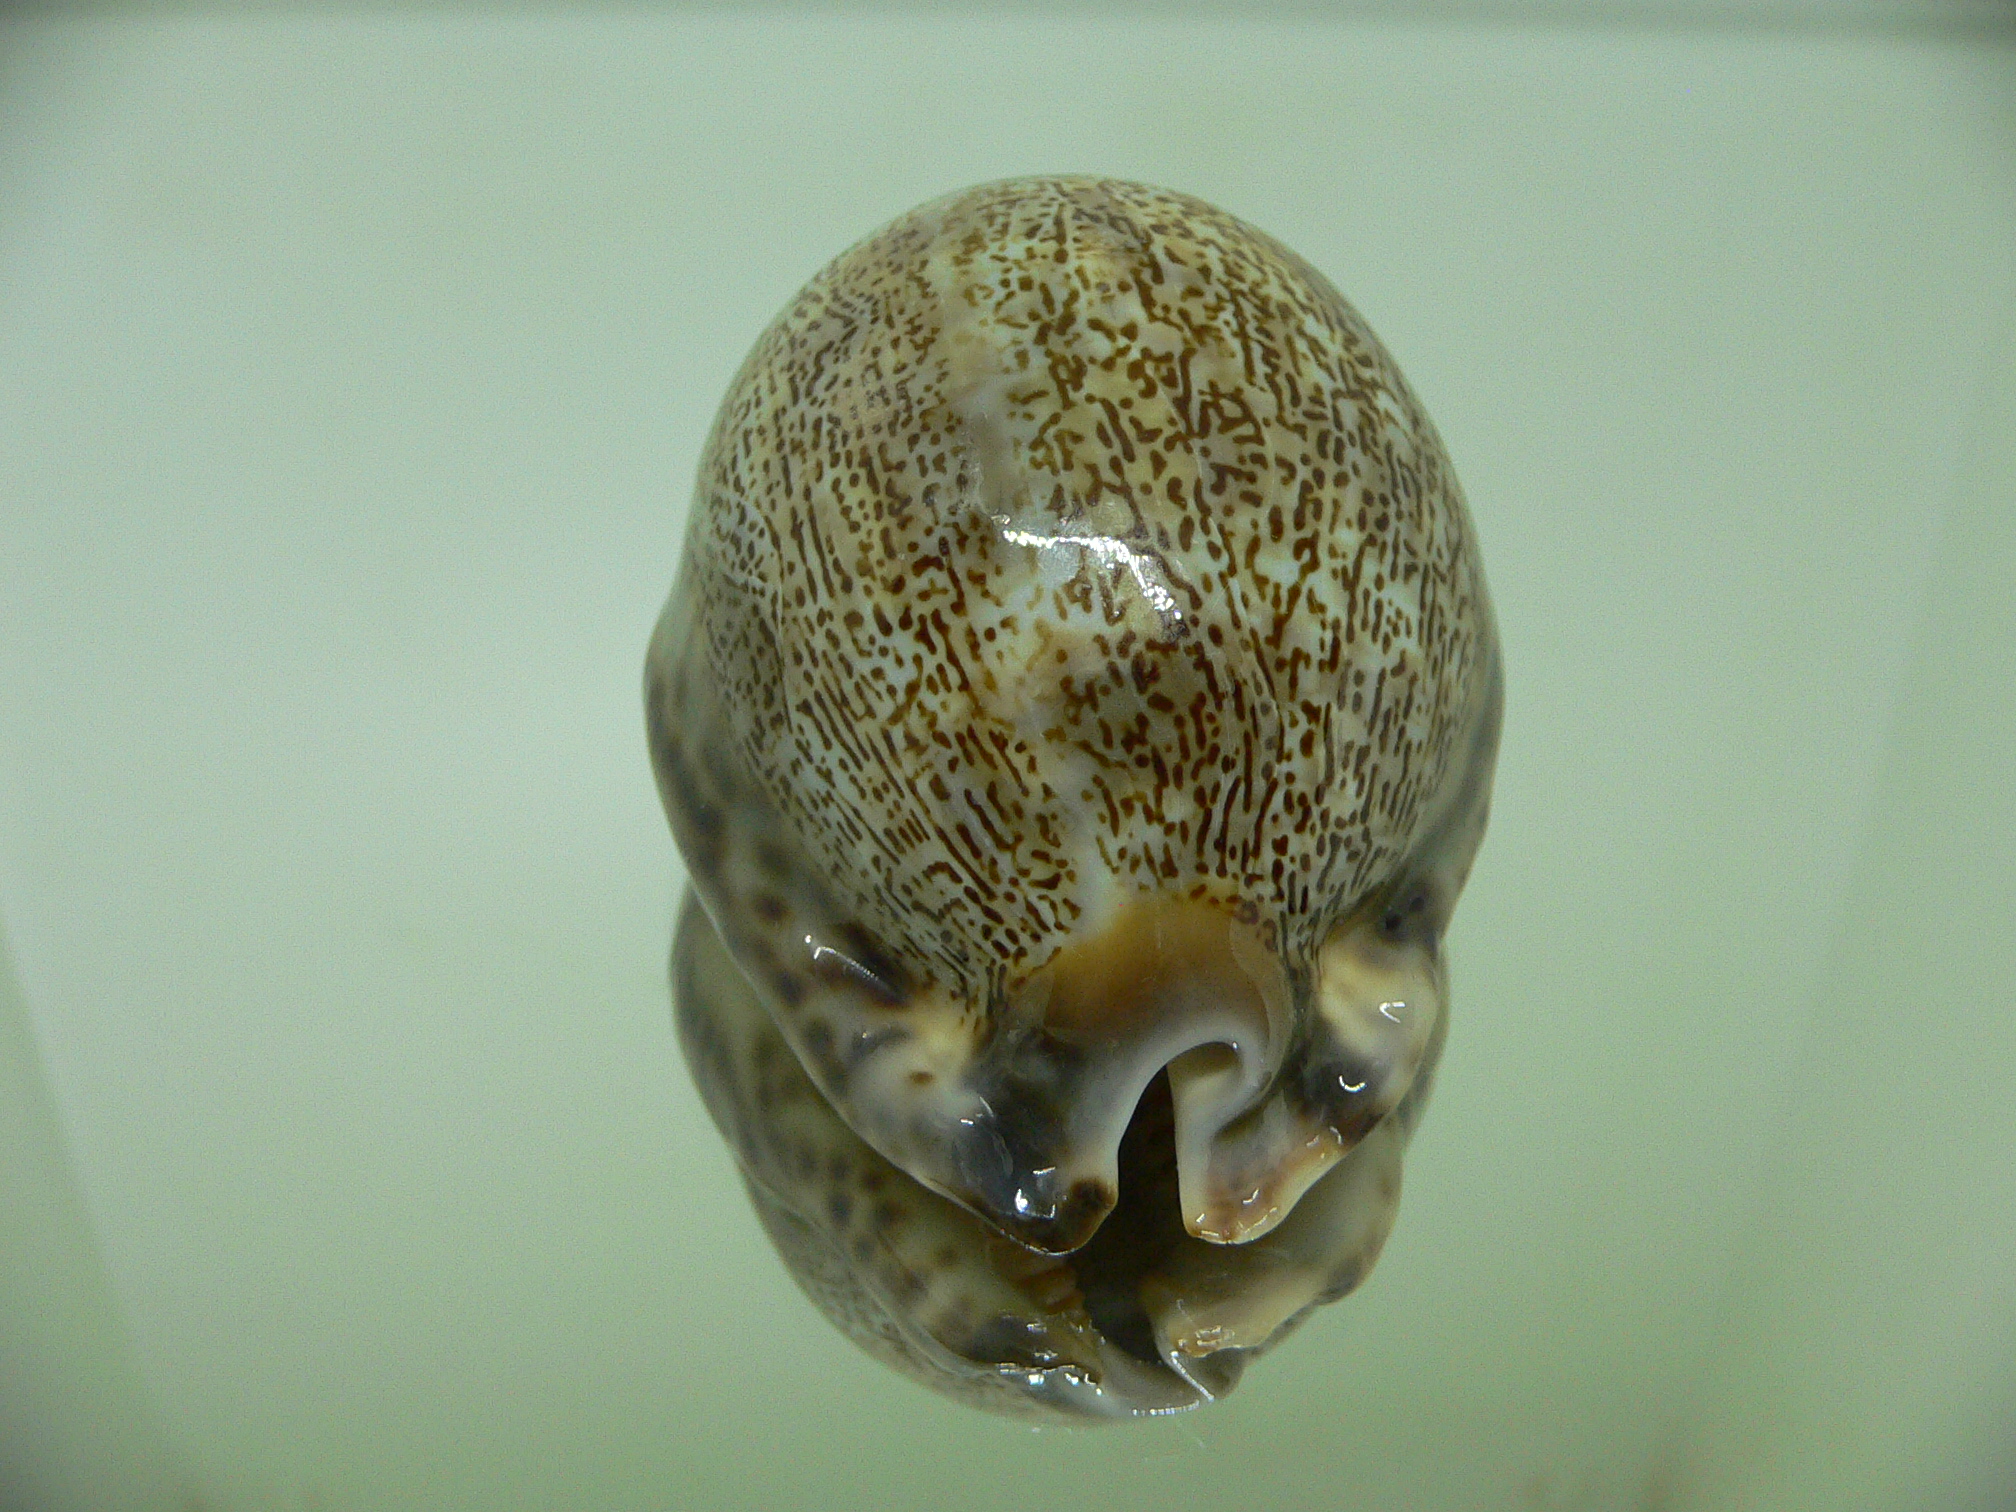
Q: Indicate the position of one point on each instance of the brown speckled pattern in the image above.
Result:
(1080, 664)
(1251, 698)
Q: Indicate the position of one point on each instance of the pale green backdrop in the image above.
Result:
(353, 369)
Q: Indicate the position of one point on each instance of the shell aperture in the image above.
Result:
(1076, 708)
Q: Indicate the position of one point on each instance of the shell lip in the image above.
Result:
(1040, 1207)
(1271, 1087)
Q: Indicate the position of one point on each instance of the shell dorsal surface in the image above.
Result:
(1077, 704)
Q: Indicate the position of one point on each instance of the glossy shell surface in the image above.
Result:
(1076, 708)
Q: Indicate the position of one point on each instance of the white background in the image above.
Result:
(353, 370)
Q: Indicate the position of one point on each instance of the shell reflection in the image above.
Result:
(1076, 708)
